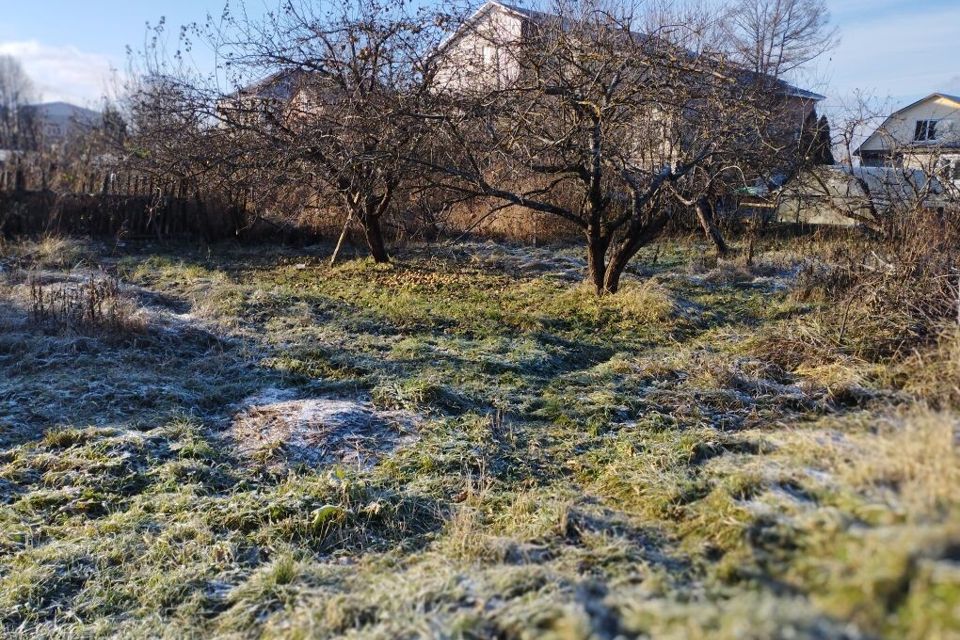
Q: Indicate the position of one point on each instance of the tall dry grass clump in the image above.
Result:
(95, 305)
(47, 252)
(892, 302)
(893, 295)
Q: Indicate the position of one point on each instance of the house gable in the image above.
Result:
(477, 55)
(907, 127)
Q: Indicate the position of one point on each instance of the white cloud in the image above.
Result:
(63, 72)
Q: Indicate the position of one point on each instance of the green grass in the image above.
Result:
(656, 463)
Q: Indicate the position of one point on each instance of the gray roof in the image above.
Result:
(528, 13)
(280, 85)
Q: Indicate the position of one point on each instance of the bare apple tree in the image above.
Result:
(611, 118)
(323, 98)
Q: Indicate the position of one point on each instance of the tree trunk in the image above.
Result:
(704, 211)
(638, 236)
(622, 255)
(618, 264)
(374, 237)
(343, 235)
(596, 261)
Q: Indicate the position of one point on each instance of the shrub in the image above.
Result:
(887, 305)
(883, 299)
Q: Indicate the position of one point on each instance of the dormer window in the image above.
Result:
(926, 130)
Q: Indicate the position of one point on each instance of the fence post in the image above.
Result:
(19, 179)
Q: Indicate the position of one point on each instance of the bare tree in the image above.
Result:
(326, 99)
(612, 119)
(17, 129)
(166, 126)
(777, 37)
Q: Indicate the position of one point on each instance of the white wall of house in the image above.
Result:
(924, 136)
(478, 56)
(900, 129)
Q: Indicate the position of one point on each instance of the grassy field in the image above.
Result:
(468, 444)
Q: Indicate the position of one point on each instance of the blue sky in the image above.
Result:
(897, 50)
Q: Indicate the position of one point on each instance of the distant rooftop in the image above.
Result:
(533, 15)
(64, 110)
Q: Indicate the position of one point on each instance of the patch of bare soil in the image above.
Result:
(278, 429)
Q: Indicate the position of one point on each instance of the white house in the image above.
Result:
(924, 135)
(478, 54)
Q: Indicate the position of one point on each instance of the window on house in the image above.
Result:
(926, 130)
(956, 170)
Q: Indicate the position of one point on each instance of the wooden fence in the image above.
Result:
(105, 203)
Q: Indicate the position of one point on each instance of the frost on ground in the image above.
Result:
(561, 264)
(160, 312)
(274, 427)
(697, 456)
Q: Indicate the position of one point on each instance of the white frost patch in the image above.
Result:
(529, 261)
(274, 427)
(772, 283)
(161, 313)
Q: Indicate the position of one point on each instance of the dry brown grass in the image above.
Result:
(934, 373)
(47, 252)
(512, 224)
(641, 302)
(884, 309)
(902, 289)
(908, 459)
(917, 456)
(94, 305)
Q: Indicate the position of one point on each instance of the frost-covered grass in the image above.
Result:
(690, 458)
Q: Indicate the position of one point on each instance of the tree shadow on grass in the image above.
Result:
(124, 435)
(53, 378)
